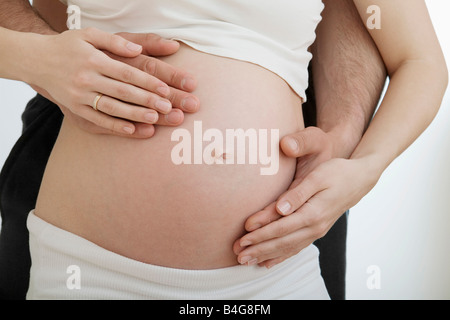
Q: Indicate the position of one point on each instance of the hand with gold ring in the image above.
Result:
(138, 90)
(95, 104)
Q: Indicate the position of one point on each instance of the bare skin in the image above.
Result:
(352, 111)
(146, 205)
(343, 129)
(409, 60)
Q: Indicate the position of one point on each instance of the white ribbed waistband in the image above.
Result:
(66, 266)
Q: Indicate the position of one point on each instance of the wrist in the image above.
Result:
(345, 138)
(28, 64)
(374, 163)
(13, 56)
(44, 30)
(345, 124)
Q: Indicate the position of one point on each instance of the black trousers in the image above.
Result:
(20, 180)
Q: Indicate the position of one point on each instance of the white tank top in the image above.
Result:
(273, 34)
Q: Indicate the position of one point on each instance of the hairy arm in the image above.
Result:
(19, 15)
(53, 12)
(348, 75)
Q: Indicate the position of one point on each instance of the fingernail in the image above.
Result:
(133, 46)
(188, 84)
(246, 259)
(151, 117)
(292, 144)
(173, 117)
(252, 262)
(189, 104)
(163, 106)
(284, 207)
(128, 130)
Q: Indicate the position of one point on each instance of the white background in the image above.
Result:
(401, 227)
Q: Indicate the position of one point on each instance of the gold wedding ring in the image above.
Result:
(95, 104)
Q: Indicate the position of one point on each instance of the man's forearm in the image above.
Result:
(19, 15)
(348, 75)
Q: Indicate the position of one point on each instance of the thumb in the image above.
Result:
(307, 141)
(112, 43)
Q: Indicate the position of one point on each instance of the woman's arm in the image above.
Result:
(39, 61)
(62, 54)
(71, 71)
(418, 80)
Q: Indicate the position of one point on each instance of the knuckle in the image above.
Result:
(174, 76)
(148, 83)
(323, 227)
(315, 131)
(310, 220)
(127, 74)
(115, 126)
(315, 134)
(151, 37)
(82, 80)
(258, 251)
(173, 98)
(115, 39)
(151, 66)
(298, 195)
(94, 60)
(286, 246)
(317, 225)
(280, 229)
(101, 122)
(149, 101)
(320, 230)
(123, 92)
(302, 140)
(89, 32)
(108, 107)
(139, 113)
(109, 124)
(76, 95)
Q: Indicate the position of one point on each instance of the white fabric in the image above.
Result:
(66, 266)
(273, 34)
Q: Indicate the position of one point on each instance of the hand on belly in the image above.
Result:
(181, 198)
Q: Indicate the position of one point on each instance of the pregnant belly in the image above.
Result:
(180, 198)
